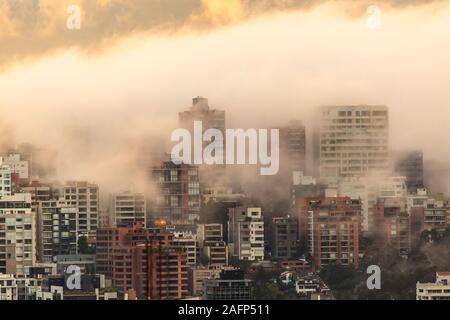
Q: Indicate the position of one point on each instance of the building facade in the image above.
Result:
(85, 197)
(284, 238)
(17, 234)
(179, 198)
(329, 229)
(246, 233)
(128, 209)
(353, 141)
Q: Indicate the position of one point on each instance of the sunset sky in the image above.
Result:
(136, 63)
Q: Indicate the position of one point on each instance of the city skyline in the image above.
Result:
(224, 150)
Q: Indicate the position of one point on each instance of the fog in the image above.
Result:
(102, 100)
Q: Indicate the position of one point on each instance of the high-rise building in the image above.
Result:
(144, 261)
(329, 229)
(353, 141)
(368, 189)
(187, 241)
(211, 119)
(17, 234)
(127, 209)
(284, 238)
(246, 233)
(410, 165)
(200, 111)
(85, 197)
(213, 248)
(179, 197)
(392, 225)
(57, 230)
(293, 147)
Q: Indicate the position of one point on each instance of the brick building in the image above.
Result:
(329, 229)
(144, 261)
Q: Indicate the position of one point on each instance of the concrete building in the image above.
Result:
(5, 181)
(231, 285)
(8, 287)
(329, 229)
(187, 241)
(293, 146)
(284, 238)
(200, 111)
(353, 141)
(439, 290)
(179, 199)
(213, 248)
(368, 189)
(392, 226)
(222, 195)
(17, 165)
(85, 197)
(58, 230)
(127, 209)
(17, 234)
(436, 214)
(311, 284)
(246, 233)
(211, 119)
(143, 261)
(198, 277)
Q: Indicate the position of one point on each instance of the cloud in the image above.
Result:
(31, 28)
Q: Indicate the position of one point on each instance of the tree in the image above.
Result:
(83, 246)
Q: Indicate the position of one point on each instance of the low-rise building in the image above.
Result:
(438, 290)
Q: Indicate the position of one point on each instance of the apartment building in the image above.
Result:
(213, 249)
(246, 233)
(187, 241)
(368, 189)
(436, 214)
(17, 165)
(329, 229)
(392, 225)
(85, 197)
(352, 141)
(210, 119)
(143, 261)
(284, 238)
(17, 234)
(58, 230)
(439, 290)
(179, 198)
(231, 285)
(5, 181)
(8, 287)
(198, 277)
(127, 209)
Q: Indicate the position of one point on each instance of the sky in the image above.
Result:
(96, 94)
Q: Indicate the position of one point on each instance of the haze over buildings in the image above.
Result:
(86, 118)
